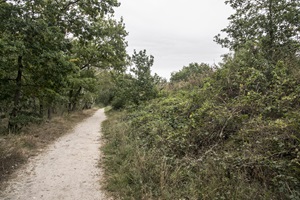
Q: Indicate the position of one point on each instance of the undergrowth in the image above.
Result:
(234, 134)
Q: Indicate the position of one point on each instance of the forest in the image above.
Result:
(225, 131)
(52, 57)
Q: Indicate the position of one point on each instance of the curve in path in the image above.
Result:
(67, 170)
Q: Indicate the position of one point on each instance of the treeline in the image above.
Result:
(51, 55)
(219, 132)
(128, 89)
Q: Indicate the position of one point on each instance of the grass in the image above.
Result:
(135, 171)
(16, 149)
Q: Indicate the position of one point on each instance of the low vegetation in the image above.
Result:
(233, 135)
(230, 131)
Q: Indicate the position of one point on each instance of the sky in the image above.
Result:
(175, 32)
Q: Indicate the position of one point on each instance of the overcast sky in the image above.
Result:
(175, 32)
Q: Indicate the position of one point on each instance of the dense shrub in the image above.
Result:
(234, 136)
(191, 71)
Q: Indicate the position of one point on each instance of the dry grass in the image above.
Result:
(134, 170)
(16, 149)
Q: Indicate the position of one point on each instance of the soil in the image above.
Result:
(68, 169)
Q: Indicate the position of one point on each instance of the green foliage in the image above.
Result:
(106, 88)
(235, 136)
(228, 133)
(143, 82)
(272, 25)
(123, 93)
(191, 71)
(138, 86)
(51, 51)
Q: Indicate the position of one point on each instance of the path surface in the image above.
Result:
(67, 170)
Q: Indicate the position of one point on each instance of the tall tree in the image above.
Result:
(271, 25)
(138, 85)
(38, 40)
(144, 82)
(105, 50)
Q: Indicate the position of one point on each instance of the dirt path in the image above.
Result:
(67, 170)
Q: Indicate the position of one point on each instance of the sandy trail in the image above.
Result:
(66, 170)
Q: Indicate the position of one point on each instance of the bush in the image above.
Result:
(234, 137)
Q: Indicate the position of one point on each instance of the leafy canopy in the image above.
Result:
(272, 26)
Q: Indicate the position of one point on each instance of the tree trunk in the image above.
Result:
(12, 126)
(41, 109)
(70, 101)
(75, 99)
(49, 112)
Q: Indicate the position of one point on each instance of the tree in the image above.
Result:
(193, 69)
(144, 83)
(139, 85)
(39, 43)
(271, 26)
(106, 50)
(37, 60)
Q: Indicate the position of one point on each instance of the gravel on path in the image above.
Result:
(67, 170)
